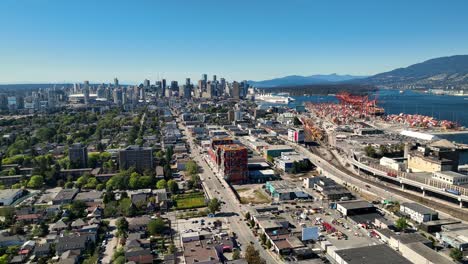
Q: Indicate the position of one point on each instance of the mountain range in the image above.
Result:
(434, 73)
(304, 80)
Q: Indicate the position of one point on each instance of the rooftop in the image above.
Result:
(419, 208)
(377, 254)
(8, 193)
(355, 204)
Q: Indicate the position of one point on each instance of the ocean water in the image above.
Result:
(441, 107)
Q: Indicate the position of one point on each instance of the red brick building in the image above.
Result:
(213, 150)
(233, 160)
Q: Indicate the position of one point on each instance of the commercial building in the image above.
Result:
(233, 163)
(418, 213)
(392, 163)
(441, 155)
(451, 177)
(455, 235)
(141, 158)
(350, 208)
(412, 246)
(274, 151)
(328, 188)
(288, 159)
(296, 135)
(285, 190)
(78, 155)
(376, 254)
(8, 196)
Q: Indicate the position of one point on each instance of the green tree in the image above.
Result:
(92, 183)
(191, 168)
(214, 205)
(370, 151)
(77, 209)
(247, 216)
(122, 225)
(126, 207)
(456, 254)
(401, 223)
(156, 226)
(161, 184)
(263, 238)
(35, 182)
(252, 256)
(172, 248)
(172, 186)
(133, 181)
(268, 244)
(236, 254)
(145, 182)
(100, 186)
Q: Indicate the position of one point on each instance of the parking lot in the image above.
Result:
(340, 231)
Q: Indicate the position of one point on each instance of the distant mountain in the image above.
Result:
(293, 80)
(434, 73)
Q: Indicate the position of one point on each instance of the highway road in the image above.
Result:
(215, 187)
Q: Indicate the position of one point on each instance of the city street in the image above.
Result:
(217, 188)
(112, 243)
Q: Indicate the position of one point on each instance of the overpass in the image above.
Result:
(406, 179)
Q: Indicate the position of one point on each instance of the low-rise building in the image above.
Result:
(376, 254)
(418, 213)
(285, 190)
(455, 235)
(274, 151)
(392, 163)
(450, 177)
(349, 208)
(8, 196)
(65, 196)
(296, 135)
(287, 160)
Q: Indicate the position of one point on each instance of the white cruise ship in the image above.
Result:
(272, 98)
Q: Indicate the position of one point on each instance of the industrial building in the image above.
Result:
(349, 208)
(392, 163)
(285, 190)
(276, 150)
(141, 158)
(376, 254)
(450, 177)
(441, 155)
(455, 235)
(296, 135)
(287, 159)
(418, 213)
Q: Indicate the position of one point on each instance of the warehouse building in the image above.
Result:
(377, 254)
(350, 208)
(418, 213)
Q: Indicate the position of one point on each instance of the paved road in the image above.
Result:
(111, 245)
(215, 187)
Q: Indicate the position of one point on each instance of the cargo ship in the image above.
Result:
(274, 98)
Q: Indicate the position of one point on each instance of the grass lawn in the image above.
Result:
(189, 201)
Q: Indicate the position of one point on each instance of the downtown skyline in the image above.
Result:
(58, 42)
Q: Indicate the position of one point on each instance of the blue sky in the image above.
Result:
(56, 40)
